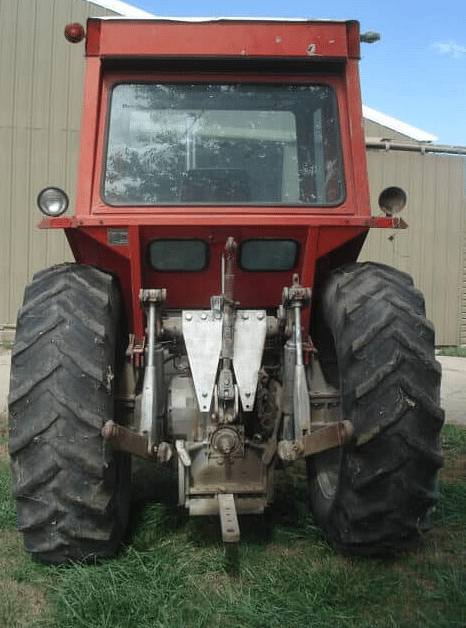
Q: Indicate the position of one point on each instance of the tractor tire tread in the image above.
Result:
(390, 391)
(65, 480)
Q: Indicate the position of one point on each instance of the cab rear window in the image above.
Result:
(246, 144)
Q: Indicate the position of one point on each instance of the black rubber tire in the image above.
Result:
(374, 497)
(72, 492)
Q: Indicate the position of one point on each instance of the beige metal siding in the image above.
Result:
(40, 101)
(431, 248)
(462, 321)
(374, 129)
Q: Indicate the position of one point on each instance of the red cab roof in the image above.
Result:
(222, 38)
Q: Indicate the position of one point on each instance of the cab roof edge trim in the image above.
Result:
(221, 38)
(220, 18)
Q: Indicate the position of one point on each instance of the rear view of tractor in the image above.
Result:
(215, 318)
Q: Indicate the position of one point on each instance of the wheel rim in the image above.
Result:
(327, 468)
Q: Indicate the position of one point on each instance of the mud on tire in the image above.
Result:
(71, 492)
(375, 496)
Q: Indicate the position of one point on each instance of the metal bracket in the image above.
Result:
(228, 518)
(202, 333)
(296, 295)
(182, 453)
(248, 346)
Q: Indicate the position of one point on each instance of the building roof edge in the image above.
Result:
(397, 125)
(128, 10)
(122, 8)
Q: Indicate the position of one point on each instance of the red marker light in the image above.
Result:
(75, 33)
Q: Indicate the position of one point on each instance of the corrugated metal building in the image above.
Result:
(433, 248)
(41, 80)
(40, 103)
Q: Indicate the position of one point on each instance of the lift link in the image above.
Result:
(122, 439)
(336, 435)
(153, 300)
(226, 389)
(294, 299)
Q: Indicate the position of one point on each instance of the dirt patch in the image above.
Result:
(22, 600)
(4, 454)
(11, 543)
(455, 471)
(20, 603)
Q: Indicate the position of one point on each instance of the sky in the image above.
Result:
(415, 73)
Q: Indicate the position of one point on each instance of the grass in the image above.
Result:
(456, 352)
(175, 572)
(24, 585)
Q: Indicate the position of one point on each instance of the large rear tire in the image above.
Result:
(375, 496)
(72, 492)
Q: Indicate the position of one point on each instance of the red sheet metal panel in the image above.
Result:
(136, 38)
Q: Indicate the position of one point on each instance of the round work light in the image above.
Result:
(52, 202)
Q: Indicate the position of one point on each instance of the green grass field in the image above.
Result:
(174, 571)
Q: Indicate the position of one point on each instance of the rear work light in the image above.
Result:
(392, 200)
(52, 202)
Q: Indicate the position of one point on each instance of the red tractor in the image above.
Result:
(216, 316)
